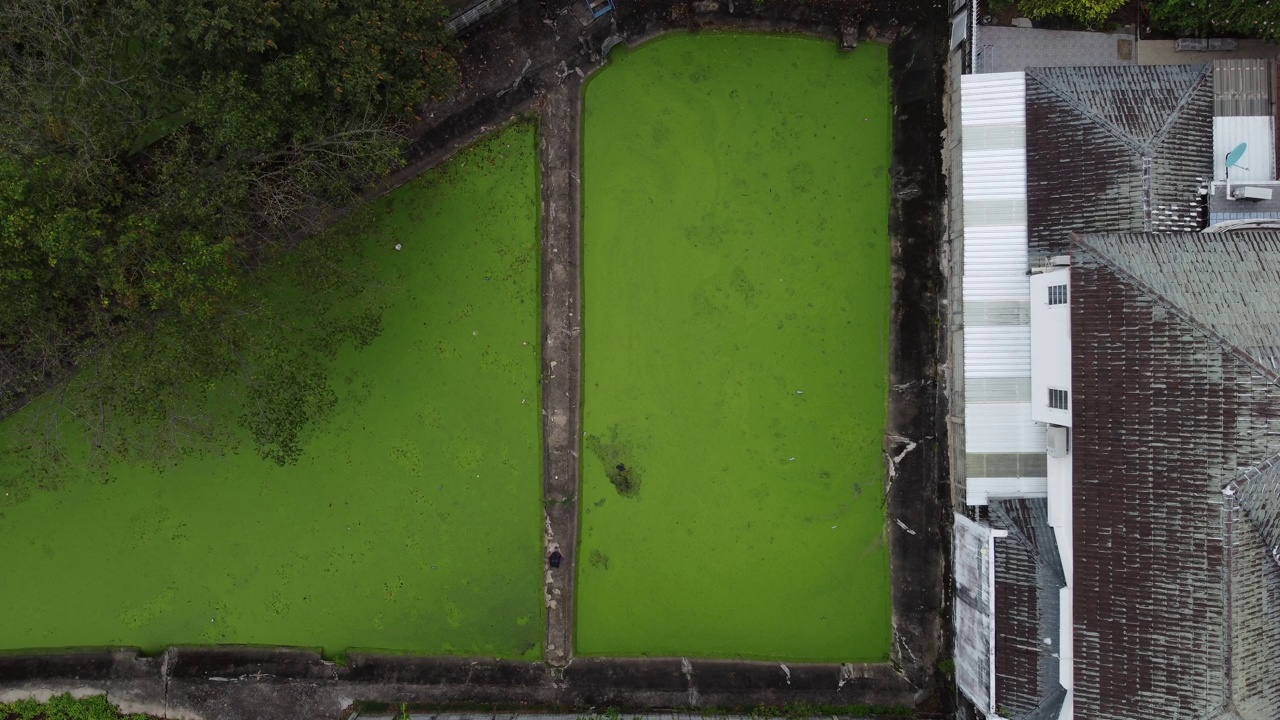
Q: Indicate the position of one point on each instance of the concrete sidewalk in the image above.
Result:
(1161, 52)
(1011, 49)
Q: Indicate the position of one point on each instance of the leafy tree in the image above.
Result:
(154, 152)
(1250, 18)
(1091, 12)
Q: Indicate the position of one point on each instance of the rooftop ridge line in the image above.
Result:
(1081, 241)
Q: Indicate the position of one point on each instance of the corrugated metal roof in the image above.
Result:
(980, 491)
(1242, 87)
(997, 351)
(1002, 427)
(1259, 161)
(992, 98)
(997, 333)
(995, 175)
(995, 263)
(1176, 602)
(974, 596)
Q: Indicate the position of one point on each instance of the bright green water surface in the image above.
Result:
(412, 522)
(736, 267)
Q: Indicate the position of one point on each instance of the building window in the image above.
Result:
(1057, 294)
(1058, 399)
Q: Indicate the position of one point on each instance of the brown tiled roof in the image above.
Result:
(1176, 598)
(1116, 149)
(1028, 578)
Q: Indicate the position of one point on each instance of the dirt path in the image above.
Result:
(561, 353)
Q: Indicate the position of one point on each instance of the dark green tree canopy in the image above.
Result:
(1248, 18)
(153, 152)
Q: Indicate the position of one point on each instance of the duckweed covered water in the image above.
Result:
(736, 269)
(413, 520)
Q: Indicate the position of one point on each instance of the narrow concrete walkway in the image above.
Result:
(561, 353)
(1011, 49)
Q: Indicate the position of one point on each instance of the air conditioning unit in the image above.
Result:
(1056, 440)
(1060, 261)
(1256, 194)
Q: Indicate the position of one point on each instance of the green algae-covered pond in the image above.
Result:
(412, 522)
(736, 302)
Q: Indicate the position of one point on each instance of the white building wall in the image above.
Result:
(1059, 501)
(1051, 368)
(1050, 346)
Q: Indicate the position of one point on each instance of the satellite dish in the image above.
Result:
(1234, 156)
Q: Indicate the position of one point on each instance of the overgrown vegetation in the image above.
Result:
(1198, 18)
(1091, 12)
(1248, 18)
(65, 707)
(152, 154)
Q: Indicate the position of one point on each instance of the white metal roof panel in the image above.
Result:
(1259, 161)
(997, 351)
(980, 491)
(995, 264)
(1002, 428)
(992, 174)
(993, 98)
(974, 616)
(996, 289)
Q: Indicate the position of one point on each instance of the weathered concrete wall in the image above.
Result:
(267, 683)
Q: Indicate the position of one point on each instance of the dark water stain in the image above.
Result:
(624, 479)
(661, 134)
(618, 464)
(742, 284)
(599, 559)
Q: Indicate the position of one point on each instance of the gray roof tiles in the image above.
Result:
(1254, 588)
(1257, 491)
(1176, 598)
(1116, 149)
(1229, 283)
(1136, 104)
(1028, 578)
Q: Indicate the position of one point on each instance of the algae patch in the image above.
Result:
(616, 457)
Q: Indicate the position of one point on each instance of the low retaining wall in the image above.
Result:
(261, 683)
